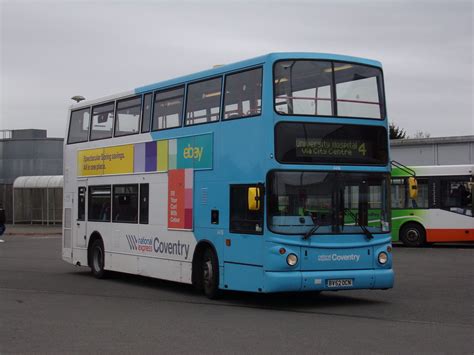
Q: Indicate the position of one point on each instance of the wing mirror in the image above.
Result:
(254, 198)
(412, 188)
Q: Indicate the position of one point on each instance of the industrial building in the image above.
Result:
(29, 152)
(433, 151)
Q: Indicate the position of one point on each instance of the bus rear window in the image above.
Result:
(79, 126)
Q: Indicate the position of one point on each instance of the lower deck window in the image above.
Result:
(125, 206)
(99, 203)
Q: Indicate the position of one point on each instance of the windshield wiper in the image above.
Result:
(366, 231)
(311, 231)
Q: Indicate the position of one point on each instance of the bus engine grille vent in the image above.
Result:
(204, 195)
(67, 228)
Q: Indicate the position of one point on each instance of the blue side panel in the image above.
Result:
(243, 277)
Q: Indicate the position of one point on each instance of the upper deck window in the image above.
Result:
(324, 88)
(359, 91)
(102, 118)
(128, 116)
(146, 113)
(79, 126)
(168, 108)
(303, 87)
(243, 94)
(204, 101)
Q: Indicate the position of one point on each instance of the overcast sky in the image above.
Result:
(53, 50)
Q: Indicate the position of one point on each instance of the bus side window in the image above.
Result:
(399, 193)
(242, 220)
(99, 203)
(144, 203)
(81, 204)
(168, 108)
(456, 196)
(243, 94)
(146, 113)
(127, 117)
(203, 101)
(102, 119)
(125, 203)
(79, 126)
(421, 200)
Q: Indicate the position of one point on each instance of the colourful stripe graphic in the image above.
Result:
(150, 163)
(172, 153)
(162, 156)
(139, 158)
(180, 199)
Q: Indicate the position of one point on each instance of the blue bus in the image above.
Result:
(267, 175)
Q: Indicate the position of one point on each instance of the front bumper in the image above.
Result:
(287, 281)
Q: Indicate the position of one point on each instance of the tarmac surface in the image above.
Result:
(49, 306)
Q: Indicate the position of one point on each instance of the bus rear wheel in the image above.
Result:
(97, 259)
(413, 235)
(210, 274)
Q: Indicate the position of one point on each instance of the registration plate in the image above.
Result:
(340, 283)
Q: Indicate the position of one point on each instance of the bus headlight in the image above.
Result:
(292, 259)
(383, 258)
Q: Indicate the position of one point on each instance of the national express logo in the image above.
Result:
(149, 245)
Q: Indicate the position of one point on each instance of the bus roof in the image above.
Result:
(219, 70)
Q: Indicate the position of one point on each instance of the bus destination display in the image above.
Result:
(327, 148)
(327, 143)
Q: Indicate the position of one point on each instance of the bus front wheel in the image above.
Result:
(97, 259)
(413, 235)
(210, 274)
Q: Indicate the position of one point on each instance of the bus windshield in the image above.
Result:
(325, 88)
(334, 202)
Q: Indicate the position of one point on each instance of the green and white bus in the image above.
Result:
(442, 211)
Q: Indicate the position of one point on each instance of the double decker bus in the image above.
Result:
(442, 209)
(267, 175)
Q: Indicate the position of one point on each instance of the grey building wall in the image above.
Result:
(27, 153)
(434, 151)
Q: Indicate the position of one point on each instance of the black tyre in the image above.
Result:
(210, 274)
(413, 235)
(97, 257)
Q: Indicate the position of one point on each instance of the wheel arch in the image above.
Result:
(196, 264)
(410, 242)
(94, 236)
(410, 222)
